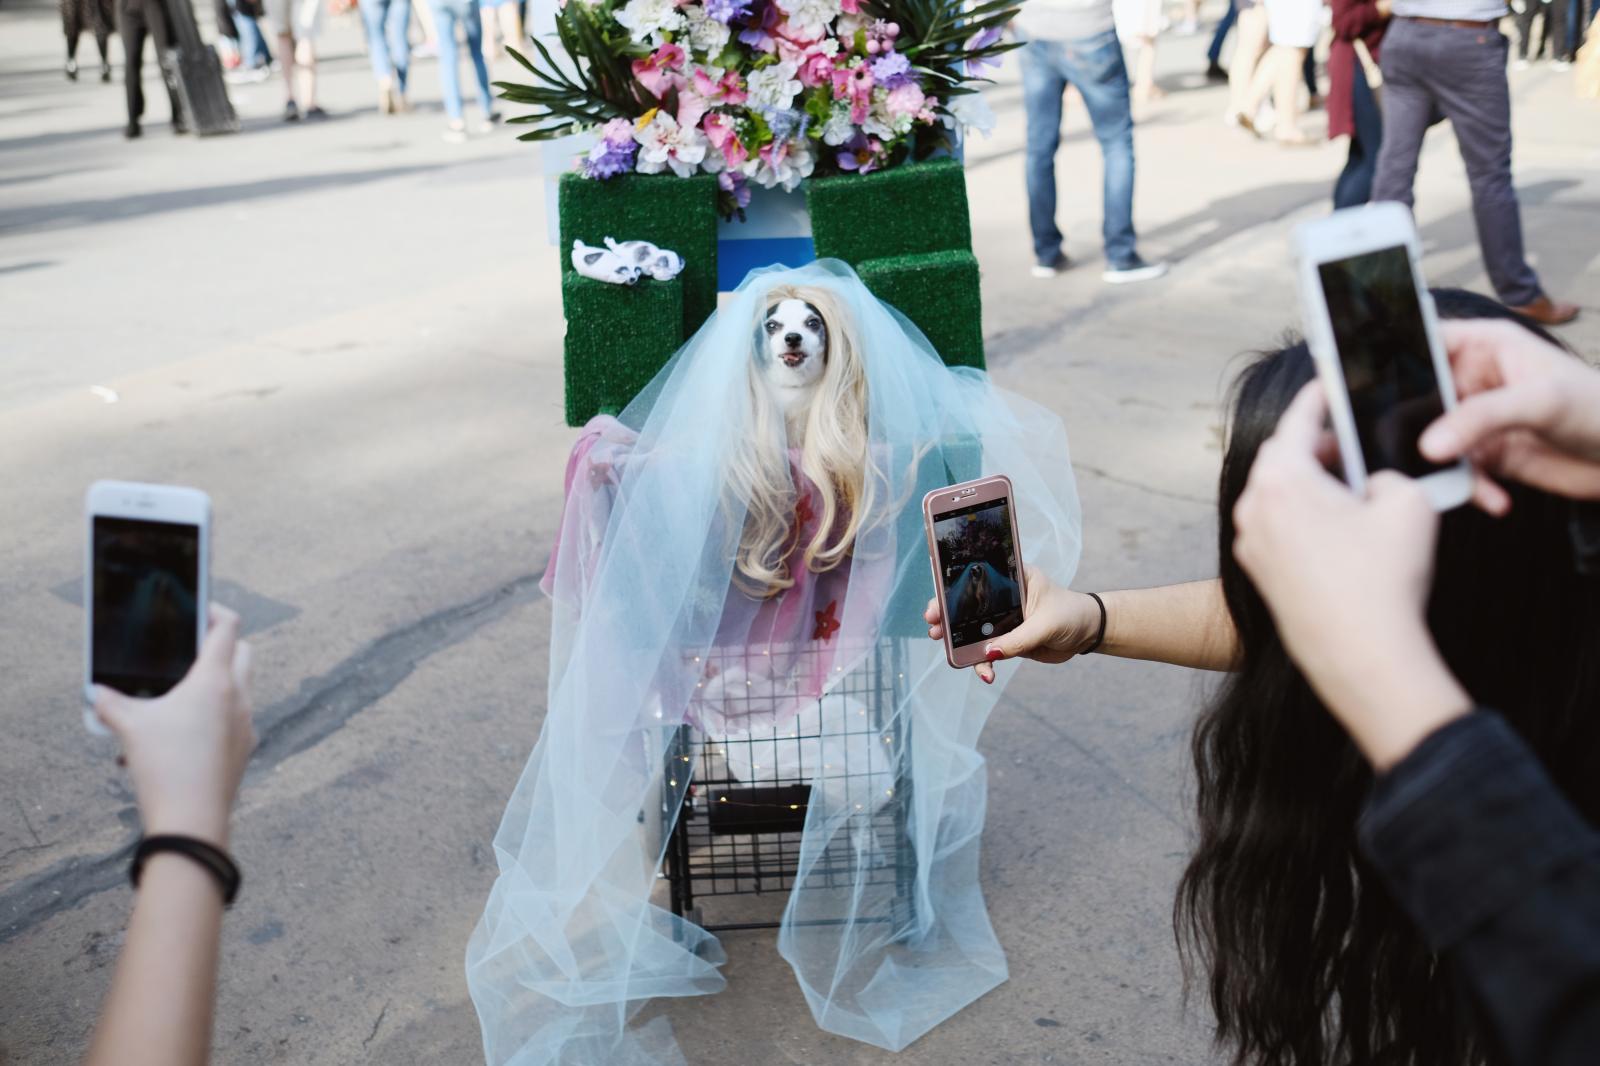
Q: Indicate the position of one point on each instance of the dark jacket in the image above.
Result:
(1502, 877)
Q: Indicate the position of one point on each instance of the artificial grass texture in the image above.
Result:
(905, 210)
(939, 292)
(618, 337)
(670, 212)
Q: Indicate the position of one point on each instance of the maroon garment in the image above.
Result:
(1352, 19)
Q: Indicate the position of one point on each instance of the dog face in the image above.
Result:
(796, 340)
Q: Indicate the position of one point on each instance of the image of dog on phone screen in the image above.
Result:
(978, 566)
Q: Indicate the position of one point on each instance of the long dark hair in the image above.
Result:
(1307, 960)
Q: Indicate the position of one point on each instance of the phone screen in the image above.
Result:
(1383, 348)
(146, 603)
(978, 567)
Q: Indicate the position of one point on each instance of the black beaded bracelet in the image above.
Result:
(1100, 637)
(214, 859)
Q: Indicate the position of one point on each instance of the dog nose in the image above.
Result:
(792, 339)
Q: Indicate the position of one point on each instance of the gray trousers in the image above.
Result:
(1458, 73)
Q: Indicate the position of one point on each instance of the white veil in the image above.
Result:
(571, 944)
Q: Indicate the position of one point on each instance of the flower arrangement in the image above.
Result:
(763, 91)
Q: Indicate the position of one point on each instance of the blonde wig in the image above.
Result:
(833, 456)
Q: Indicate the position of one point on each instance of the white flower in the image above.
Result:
(972, 111)
(790, 165)
(706, 36)
(829, 47)
(663, 143)
(838, 128)
(809, 19)
(647, 20)
(773, 88)
(883, 123)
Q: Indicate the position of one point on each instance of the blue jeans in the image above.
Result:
(387, 23)
(1214, 53)
(446, 13)
(253, 51)
(1094, 65)
(1355, 181)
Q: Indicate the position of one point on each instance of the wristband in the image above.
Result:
(214, 859)
(1100, 637)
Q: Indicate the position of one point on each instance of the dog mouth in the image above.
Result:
(793, 358)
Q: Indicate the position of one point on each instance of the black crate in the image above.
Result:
(745, 798)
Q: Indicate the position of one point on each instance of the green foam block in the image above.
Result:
(676, 213)
(903, 210)
(618, 337)
(939, 292)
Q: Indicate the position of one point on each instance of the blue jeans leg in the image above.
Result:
(1214, 53)
(1095, 66)
(1042, 86)
(252, 45)
(474, 25)
(444, 22)
(1355, 181)
(373, 13)
(398, 27)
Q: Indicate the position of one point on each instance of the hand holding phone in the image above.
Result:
(147, 578)
(977, 564)
(1371, 328)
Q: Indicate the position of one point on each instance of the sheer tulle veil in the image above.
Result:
(575, 937)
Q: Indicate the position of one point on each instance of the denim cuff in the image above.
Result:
(1466, 825)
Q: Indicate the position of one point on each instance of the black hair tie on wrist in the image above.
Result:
(214, 859)
(1100, 637)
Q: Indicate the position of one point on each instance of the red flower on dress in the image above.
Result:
(827, 624)
(803, 514)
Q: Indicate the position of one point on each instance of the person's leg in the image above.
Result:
(1144, 71)
(1524, 22)
(1308, 72)
(1264, 81)
(399, 30)
(511, 25)
(473, 24)
(1555, 30)
(1286, 95)
(1042, 86)
(444, 24)
(1355, 182)
(1095, 66)
(1214, 53)
(305, 61)
(1408, 110)
(161, 42)
(487, 25)
(1470, 81)
(286, 53)
(1250, 42)
(131, 27)
(372, 19)
(72, 26)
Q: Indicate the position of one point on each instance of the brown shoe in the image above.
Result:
(1547, 312)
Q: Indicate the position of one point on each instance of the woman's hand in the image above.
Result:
(1058, 624)
(186, 751)
(1529, 412)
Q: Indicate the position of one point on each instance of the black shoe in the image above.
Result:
(132, 131)
(291, 113)
(1216, 72)
(105, 71)
(315, 114)
(72, 70)
(179, 127)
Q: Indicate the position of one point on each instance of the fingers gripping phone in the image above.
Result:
(1372, 330)
(147, 585)
(977, 564)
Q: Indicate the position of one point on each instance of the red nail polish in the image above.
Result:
(986, 680)
(993, 654)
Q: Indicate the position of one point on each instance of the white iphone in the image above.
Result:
(1371, 327)
(146, 587)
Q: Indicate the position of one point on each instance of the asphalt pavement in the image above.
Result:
(349, 333)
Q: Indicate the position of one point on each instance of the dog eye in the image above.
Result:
(772, 325)
(813, 324)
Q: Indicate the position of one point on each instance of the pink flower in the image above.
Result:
(854, 85)
(906, 99)
(725, 90)
(850, 7)
(722, 134)
(816, 70)
(657, 72)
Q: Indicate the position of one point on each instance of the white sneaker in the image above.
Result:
(1138, 270)
(455, 132)
(1521, 64)
(1562, 64)
(1050, 270)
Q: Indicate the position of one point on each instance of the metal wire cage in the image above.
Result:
(746, 797)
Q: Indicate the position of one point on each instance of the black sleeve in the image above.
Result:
(1502, 876)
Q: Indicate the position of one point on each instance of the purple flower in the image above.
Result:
(891, 70)
(760, 33)
(860, 153)
(787, 123)
(736, 184)
(725, 11)
(611, 156)
(978, 41)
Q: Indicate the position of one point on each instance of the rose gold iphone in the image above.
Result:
(977, 567)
